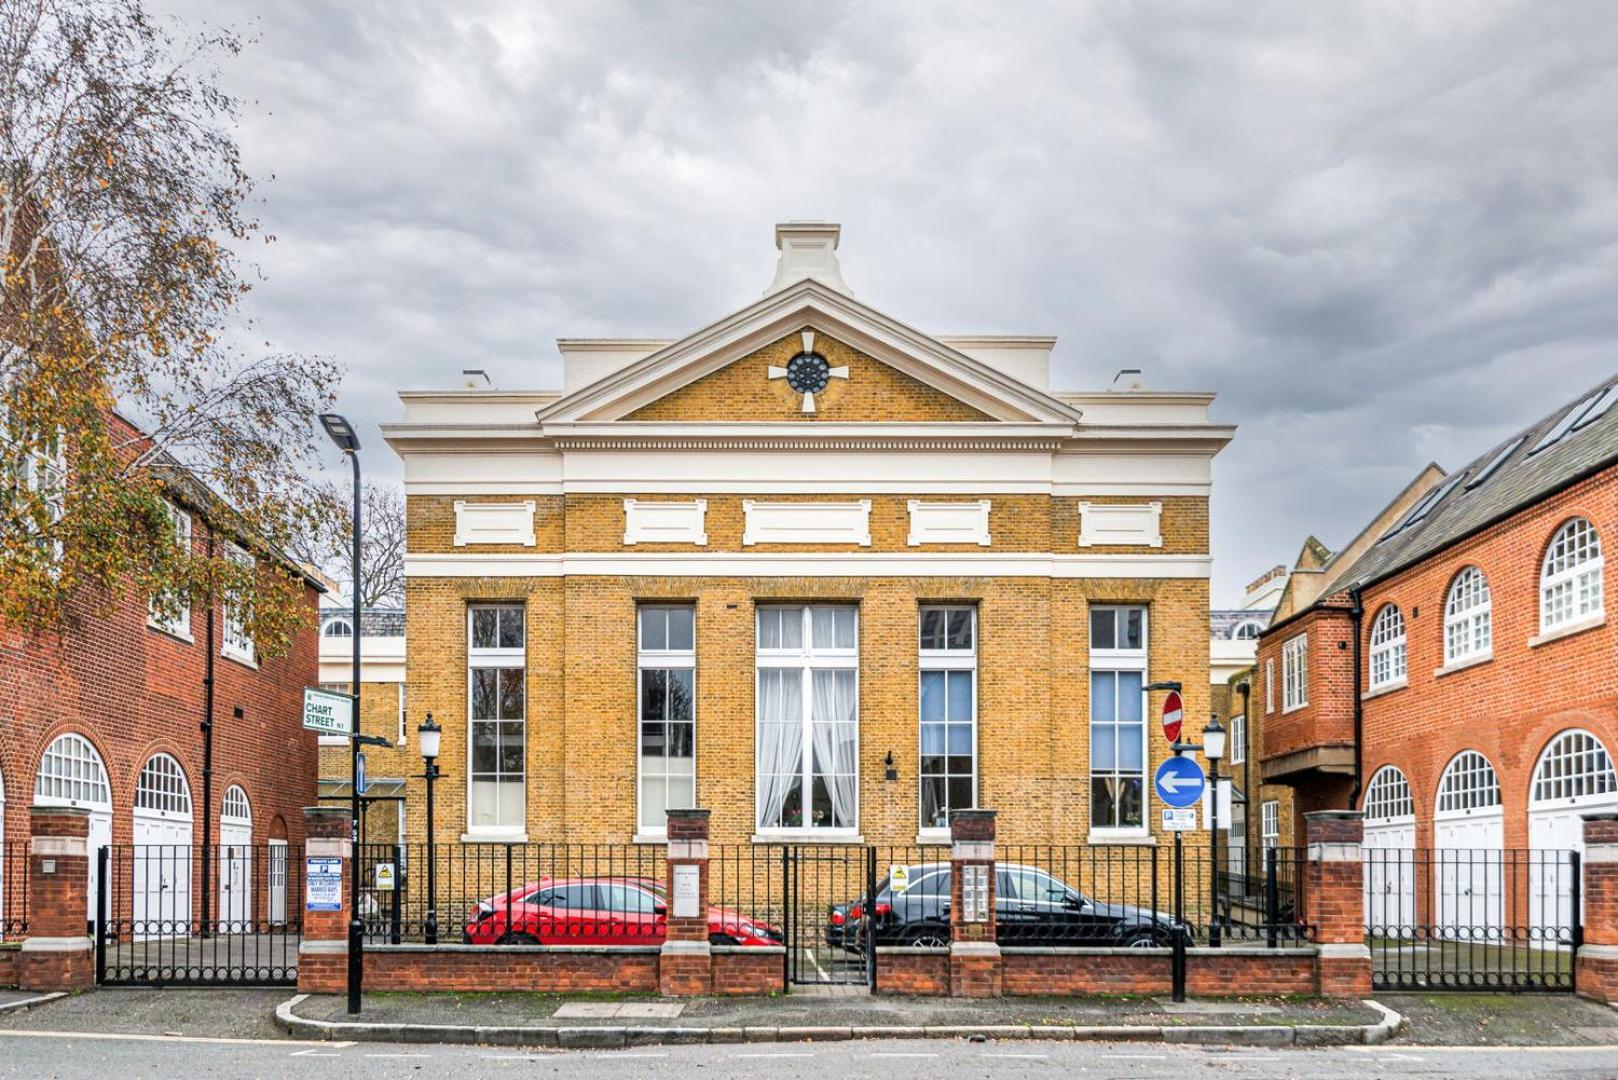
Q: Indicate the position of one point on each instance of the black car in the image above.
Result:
(1031, 908)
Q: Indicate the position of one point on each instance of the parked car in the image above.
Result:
(597, 911)
(1032, 907)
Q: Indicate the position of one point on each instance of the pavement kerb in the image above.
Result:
(28, 1003)
(615, 1037)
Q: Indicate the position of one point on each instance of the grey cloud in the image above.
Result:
(1384, 233)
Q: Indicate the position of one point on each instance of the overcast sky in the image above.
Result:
(1384, 233)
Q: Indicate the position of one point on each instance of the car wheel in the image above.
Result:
(930, 939)
(513, 938)
(1141, 939)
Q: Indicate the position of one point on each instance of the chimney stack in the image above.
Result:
(808, 250)
(475, 379)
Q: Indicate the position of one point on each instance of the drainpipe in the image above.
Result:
(1357, 614)
(1245, 689)
(207, 761)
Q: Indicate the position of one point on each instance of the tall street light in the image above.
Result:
(429, 734)
(348, 441)
(1213, 748)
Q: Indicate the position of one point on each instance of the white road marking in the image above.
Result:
(398, 1055)
(312, 1053)
(771, 1055)
(1495, 1049)
(898, 1055)
(1137, 1057)
(120, 1035)
(1030, 1057)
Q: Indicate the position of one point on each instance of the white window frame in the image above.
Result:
(662, 660)
(807, 660)
(180, 625)
(1270, 823)
(950, 661)
(1269, 685)
(1578, 584)
(1469, 629)
(1118, 660)
(234, 641)
(1295, 673)
(1573, 768)
(1388, 659)
(346, 623)
(43, 471)
(1469, 782)
(403, 733)
(1238, 739)
(162, 788)
(497, 658)
(1388, 799)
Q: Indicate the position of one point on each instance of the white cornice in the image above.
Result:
(854, 564)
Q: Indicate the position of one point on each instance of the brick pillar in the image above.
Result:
(685, 967)
(58, 954)
(974, 955)
(1596, 967)
(323, 952)
(1334, 900)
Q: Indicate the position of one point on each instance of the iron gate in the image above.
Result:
(827, 915)
(184, 915)
(1472, 918)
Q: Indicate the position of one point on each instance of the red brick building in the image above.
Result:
(109, 714)
(1454, 670)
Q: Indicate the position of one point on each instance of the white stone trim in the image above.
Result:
(326, 847)
(56, 944)
(972, 850)
(665, 522)
(309, 947)
(1337, 853)
(1121, 524)
(850, 564)
(688, 849)
(974, 948)
(807, 522)
(1342, 951)
(1586, 952)
(689, 948)
(1568, 629)
(1600, 853)
(494, 523)
(948, 522)
(60, 846)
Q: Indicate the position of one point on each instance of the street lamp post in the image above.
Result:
(429, 734)
(1213, 748)
(348, 441)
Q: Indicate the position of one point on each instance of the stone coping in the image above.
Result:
(1276, 953)
(507, 950)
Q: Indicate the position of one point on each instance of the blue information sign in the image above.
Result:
(1180, 781)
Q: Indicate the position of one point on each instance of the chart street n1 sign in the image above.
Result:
(1180, 781)
(1173, 714)
(327, 713)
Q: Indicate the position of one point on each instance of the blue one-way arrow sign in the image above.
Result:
(1180, 781)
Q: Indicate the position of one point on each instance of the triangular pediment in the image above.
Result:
(733, 371)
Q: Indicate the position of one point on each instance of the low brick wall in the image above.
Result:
(8, 963)
(912, 971)
(1209, 972)
(747, 969)
(558, 969)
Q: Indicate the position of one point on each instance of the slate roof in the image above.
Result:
(1522, 479)
(1224, 621)
(374, 622)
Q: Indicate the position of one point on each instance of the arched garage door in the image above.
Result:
(1390, 850)
(1469, 832)
(162, 855)
(71, 774)
(1574, 777)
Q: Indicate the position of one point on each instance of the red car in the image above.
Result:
(597, 911)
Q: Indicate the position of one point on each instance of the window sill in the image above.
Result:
(170, 632)
(809, 836)
(1463, 663)
(1386, 688)
(239, 657)
(649, 838)
(1287, 710)
(1122, 838)
(494, 838)
(933, 838)
(1578, 626)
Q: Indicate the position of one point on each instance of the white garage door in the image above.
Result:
(1574, 777)
(71, 774)
(235, 863)
(1390, 851)
(1469, 835)
(162, 855)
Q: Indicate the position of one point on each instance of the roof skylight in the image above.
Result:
(1495, 462)
(1585, 412)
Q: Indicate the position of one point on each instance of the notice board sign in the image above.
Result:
(687, 883)
(323, 884)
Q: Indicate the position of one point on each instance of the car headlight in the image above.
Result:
(748, 930)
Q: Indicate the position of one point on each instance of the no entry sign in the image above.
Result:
(1173, 714)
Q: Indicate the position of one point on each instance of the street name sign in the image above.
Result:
(1173, 715)
(327, 713)
(1179, 781)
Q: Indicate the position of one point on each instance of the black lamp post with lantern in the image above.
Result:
(429, 733)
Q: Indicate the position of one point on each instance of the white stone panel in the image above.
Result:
(949, 522)
(808, 523)
(494, 523)
(1127, 524)
(665, 522)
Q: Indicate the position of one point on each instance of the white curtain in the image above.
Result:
(836, 741)
(780, 741)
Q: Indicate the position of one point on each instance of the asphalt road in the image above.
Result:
(52, 1054)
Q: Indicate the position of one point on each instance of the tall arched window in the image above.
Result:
(1574, 766)
(1468, 617)
(1570, 581)
(1469, 783)
(1387, 647)
(1387, 796)
(162, 786)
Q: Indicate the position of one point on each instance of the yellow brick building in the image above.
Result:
(807, 567)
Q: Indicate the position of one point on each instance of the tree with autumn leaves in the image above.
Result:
(125, 389)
